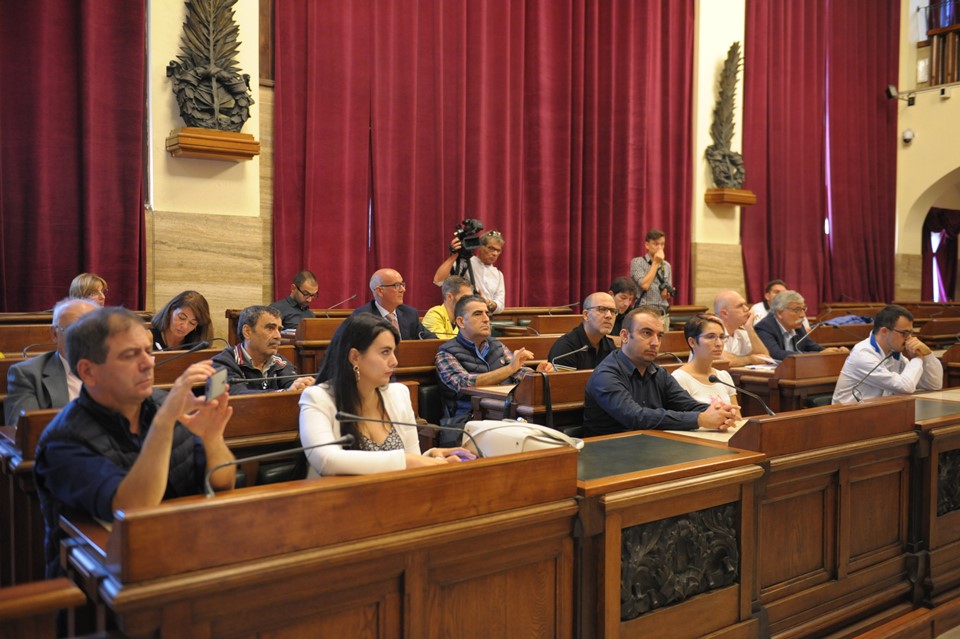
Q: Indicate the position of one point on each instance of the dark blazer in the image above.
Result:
(407, 316)
(39, 382)
(768, 330)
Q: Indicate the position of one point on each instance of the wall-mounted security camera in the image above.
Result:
(908, 136)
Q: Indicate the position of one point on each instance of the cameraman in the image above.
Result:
(487, 279)
(653, 275)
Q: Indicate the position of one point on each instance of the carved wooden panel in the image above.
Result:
(948, 482)
(670, 560)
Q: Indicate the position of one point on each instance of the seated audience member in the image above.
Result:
(295, 307)
(743, 346)
(654, 275)
(117, 446)
(773, 288)
(183, 322)
(388, 289)
(782, 329)
(473, 358)
(624, 291)
(89, 286)
(355, 378)
(487, 278)
(599, 310)
(892, 361)
(256, 358)
(46, 381)
(629, 391)
(439, 319)
(705, 337)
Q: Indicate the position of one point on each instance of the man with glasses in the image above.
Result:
(782, 330)
(296, 307)
(744, 346)
(46, 381)
(487, 278)
(588, 344)
(388, 289)
(892, 361)
(629, 391)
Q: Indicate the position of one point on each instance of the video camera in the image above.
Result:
(468, 232)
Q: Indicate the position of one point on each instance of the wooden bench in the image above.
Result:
(30, 610)
(233, 314)
(941, 332)
(828, 335)
(14, 338)
(792, 382)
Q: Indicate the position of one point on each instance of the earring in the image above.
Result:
(356, 371)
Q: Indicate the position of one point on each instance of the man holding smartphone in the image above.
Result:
(121, 444)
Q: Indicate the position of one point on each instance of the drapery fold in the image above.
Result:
(947, 223)
(71, 158)
(565, 125)
(819, 143)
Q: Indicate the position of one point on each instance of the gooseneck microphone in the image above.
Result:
(344, 301)
(246, 380)
(26, 349)
(350, 417)
(673, 355)
(196, 347)
(853, 391)
(579, 350)
(807, 334)
(346, 440)
(713, 379)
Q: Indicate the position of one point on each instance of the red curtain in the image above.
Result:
(783, 141)
(71, 177)
(565, 125)
(862, 58)
(819, 142)
(946, 222)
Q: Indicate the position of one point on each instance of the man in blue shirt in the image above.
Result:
(628, 391)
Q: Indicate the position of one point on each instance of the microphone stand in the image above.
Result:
(350, 417)
(713, 379)
(346, 440)
(553, 362)
(330, 308)
(853, 391)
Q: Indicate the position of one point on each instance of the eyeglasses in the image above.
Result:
(603, 310)
(904, 333)
(712, 337)
(394, 285)
(796, 309)
(306, 295)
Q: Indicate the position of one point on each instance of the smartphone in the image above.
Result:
(217, 384)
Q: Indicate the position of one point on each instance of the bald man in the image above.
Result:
(744, 346)
(589, 343)
(388, 288)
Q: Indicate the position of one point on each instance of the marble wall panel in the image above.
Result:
(907, 277)
(716, 267)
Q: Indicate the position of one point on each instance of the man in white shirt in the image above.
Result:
(487, 279)
(761, 308)
(892, 361)
(46, 381)
(744, 346)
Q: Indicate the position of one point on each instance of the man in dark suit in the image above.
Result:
(388, 288)
(45, 381)
(782, 330)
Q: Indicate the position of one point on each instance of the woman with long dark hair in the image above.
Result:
(182, 322)
(355, 378)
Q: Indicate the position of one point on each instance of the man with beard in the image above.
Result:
(586, 345)
(256, 358)
(295, 307)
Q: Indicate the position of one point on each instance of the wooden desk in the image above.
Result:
(831, 311)
(667, 546)
(936, 507)
(15, 337)
(490, 553)
(828, 335)
(831, 516)
(529, 399)
(793, 381)
(940, 332)
(30, 610)
(553, 324)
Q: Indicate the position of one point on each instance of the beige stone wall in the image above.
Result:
(716, 267)
(908, 268)
(228, 258)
